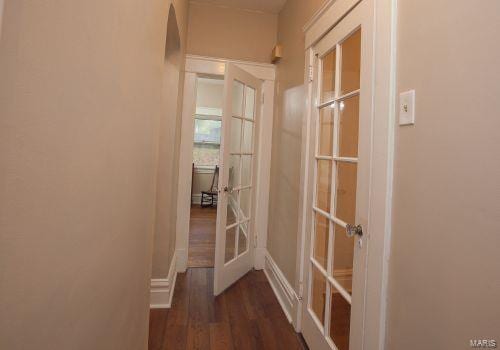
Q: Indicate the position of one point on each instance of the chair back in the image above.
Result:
(215, 180)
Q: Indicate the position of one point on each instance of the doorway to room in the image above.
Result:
(222, 131)
(205, 171)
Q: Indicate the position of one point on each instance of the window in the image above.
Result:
(207, 131)
(206, 148)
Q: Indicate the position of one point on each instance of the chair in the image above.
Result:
(209, 198)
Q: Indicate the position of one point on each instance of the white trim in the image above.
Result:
(283, 290)
(236, 6)
(204, 169)
(217, 66)
(317, 15)
(201, 66)
(210, 112)
(162, 289)
(307, 152)
(1, 16)
(330, 16)
(382, 184)
(196, 198)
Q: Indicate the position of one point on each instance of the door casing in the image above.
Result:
(203, 66)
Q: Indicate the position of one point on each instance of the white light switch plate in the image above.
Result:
(407, 108)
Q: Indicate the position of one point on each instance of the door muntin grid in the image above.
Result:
(240, 182)
(335, 97)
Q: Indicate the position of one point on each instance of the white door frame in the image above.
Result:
(196, 66)
(381, 178)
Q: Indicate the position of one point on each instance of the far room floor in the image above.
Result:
(202, 236)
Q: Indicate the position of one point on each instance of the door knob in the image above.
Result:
(228, 189)
(354, 230)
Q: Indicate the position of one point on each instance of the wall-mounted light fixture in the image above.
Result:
(277, 54)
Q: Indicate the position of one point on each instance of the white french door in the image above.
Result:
(234, 251)
(337, 245)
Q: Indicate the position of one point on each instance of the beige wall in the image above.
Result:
(444, 277)
(169, 140)
(287, 128)
(209, 93)
(79, 107)
(218, 31)
(202, 181)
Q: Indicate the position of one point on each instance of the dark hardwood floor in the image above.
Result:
(202, 225)
(246, 316)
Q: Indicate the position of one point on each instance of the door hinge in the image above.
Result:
(263, 96)
(311, 73)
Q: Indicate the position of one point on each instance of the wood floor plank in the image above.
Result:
(179, 311)
(157, 324)
(248, 298)
(220, 336)
(268, 334)
(198, 336)
(217, 309)
(247, 316)
(242, 329)
(198, 297)
(202, 225)
(175, 338)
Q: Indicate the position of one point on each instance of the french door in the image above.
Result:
(235, 216)
(337, 245)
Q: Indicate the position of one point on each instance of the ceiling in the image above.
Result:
(270, 6)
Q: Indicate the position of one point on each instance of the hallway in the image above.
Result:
(246, 316)
(350, 145)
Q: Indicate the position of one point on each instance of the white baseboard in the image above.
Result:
(283, 290)
(196, 198)
(162, 289)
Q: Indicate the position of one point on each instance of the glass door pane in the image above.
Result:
(349, 127)
(322, 228)
(318, 294)
(328, 68)
(332, 253)
(351, 63)
(340, 315)
(240, 170)
(230, 243)
(325, 145)
(324, 184)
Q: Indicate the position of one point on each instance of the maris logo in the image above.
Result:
(483, 343)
